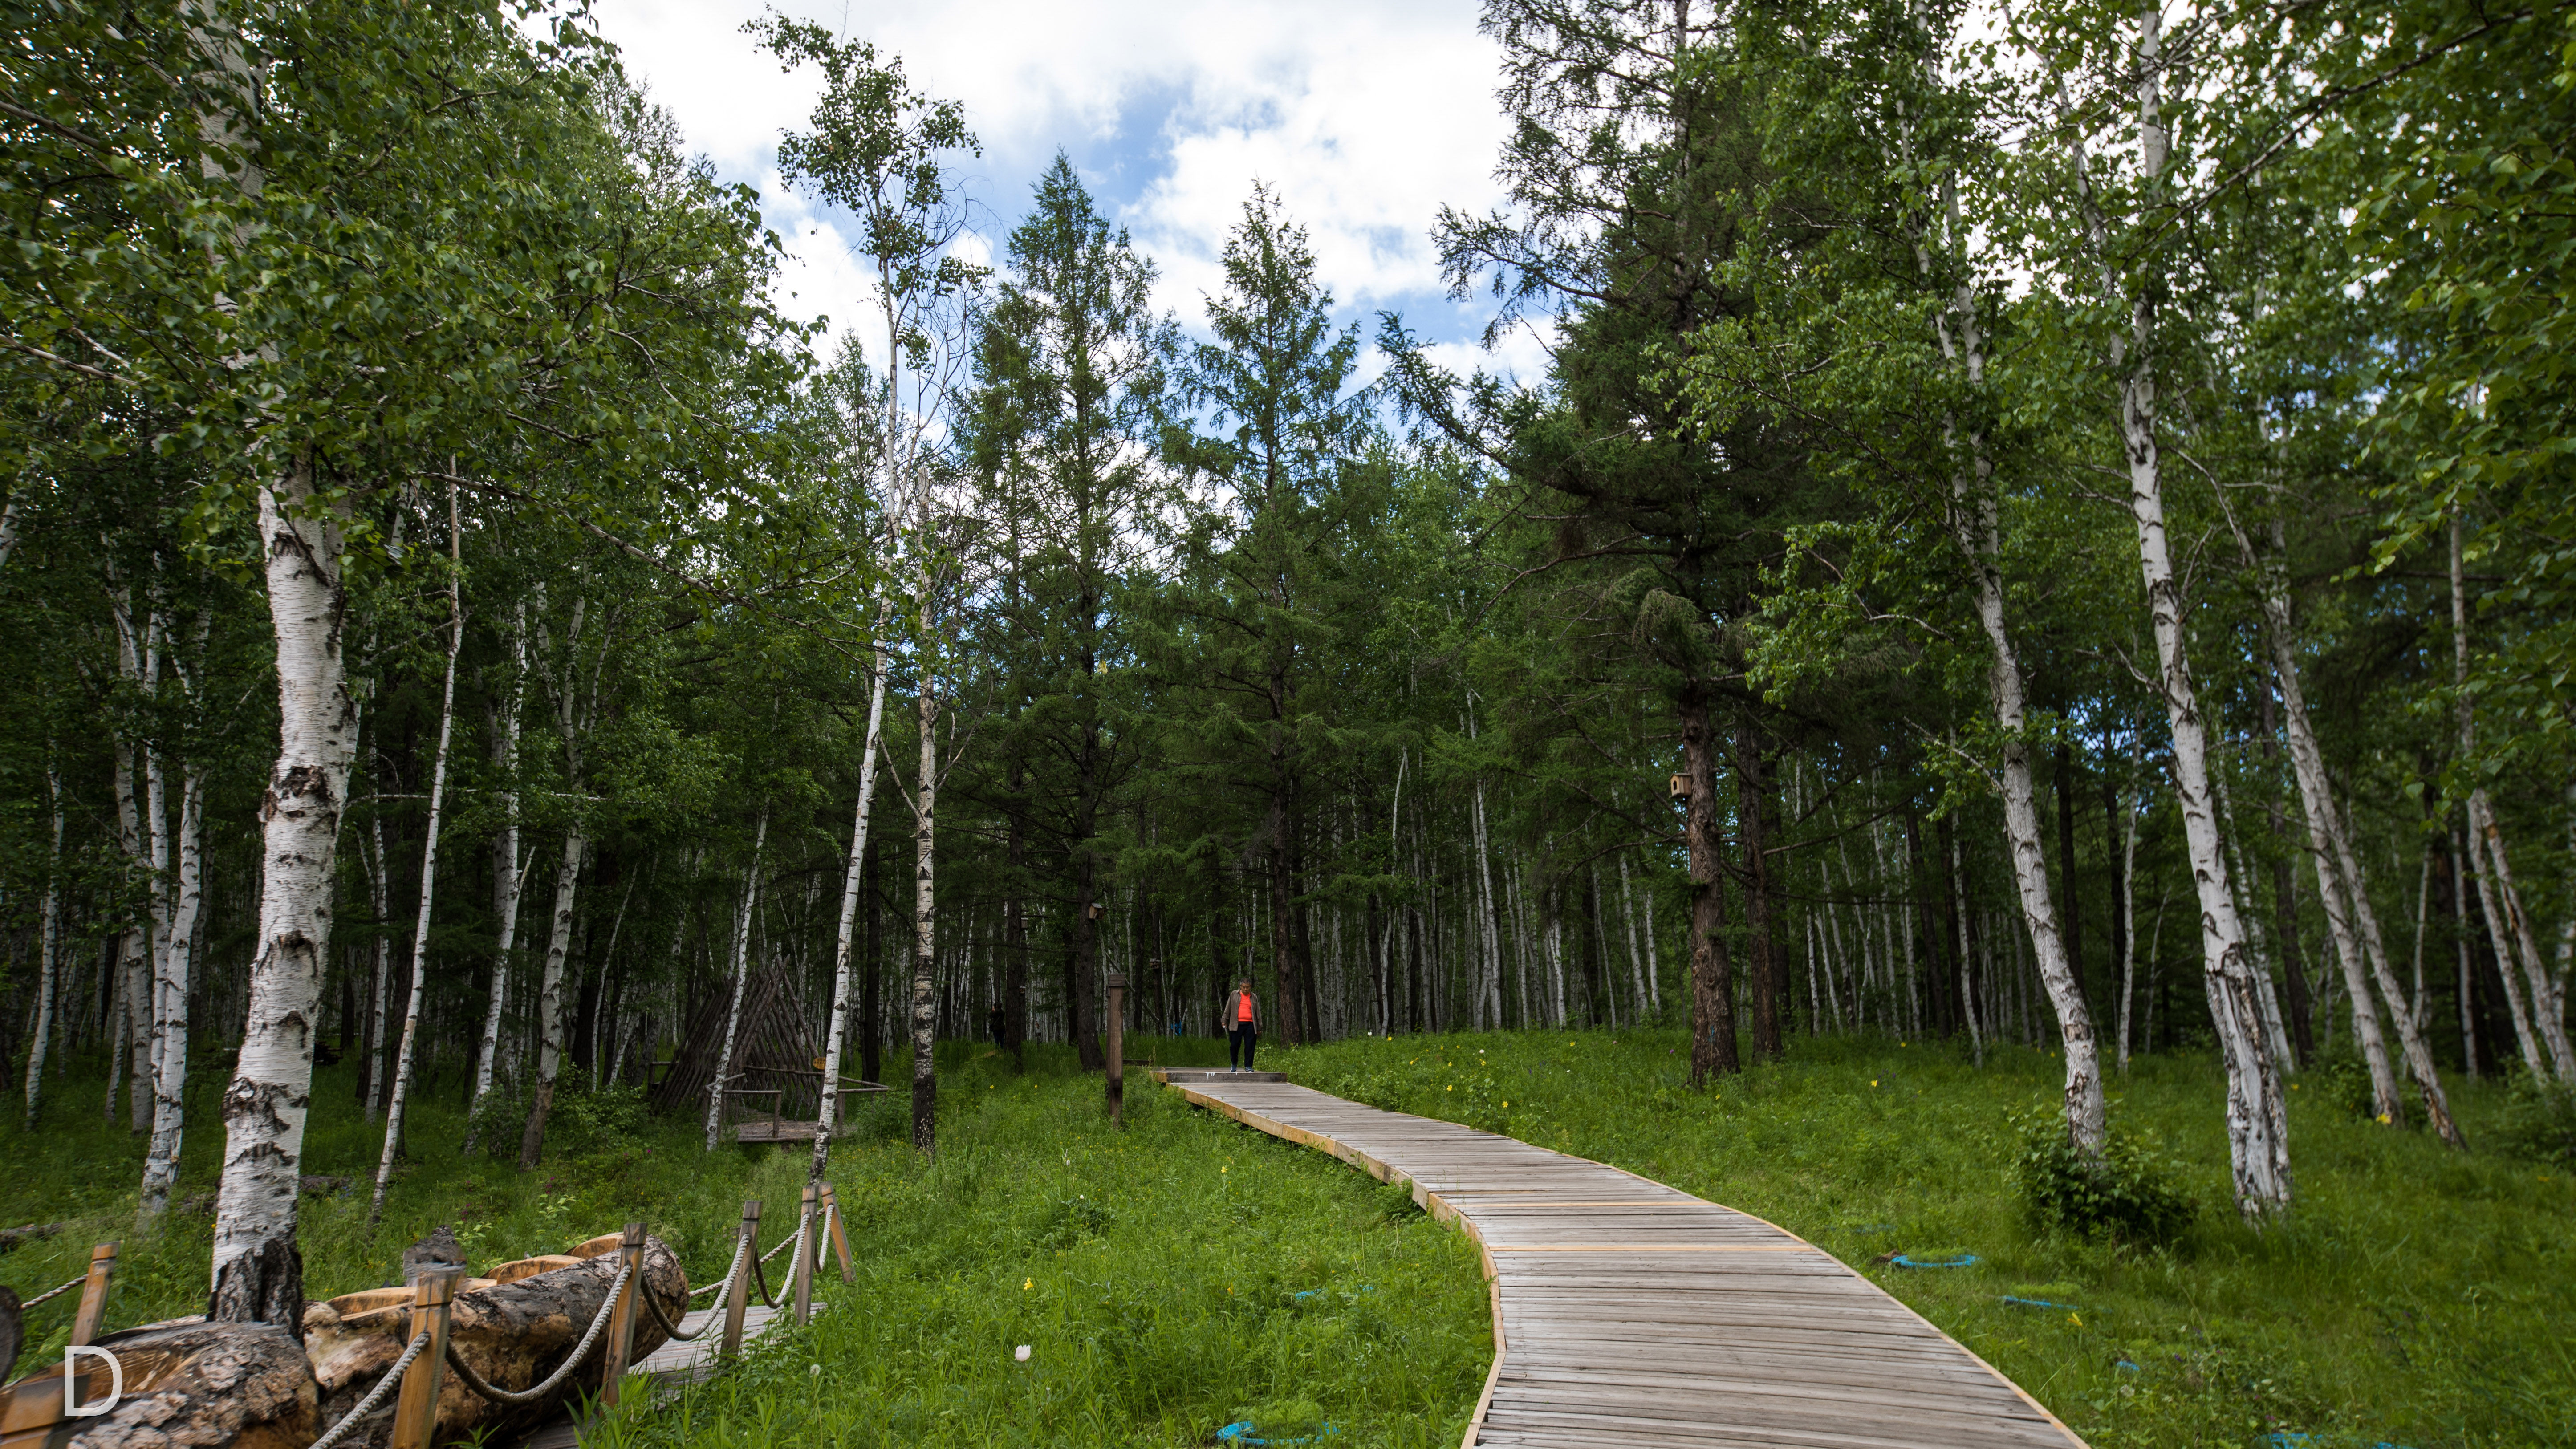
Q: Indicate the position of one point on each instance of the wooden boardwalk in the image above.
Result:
(1629, 1313)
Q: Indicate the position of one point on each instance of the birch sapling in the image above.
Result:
(717, 1088)
(428, 870)
(48, 954)
(2128, 923)
(379, 895)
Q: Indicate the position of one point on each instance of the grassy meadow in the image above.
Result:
(1171, 1275)
(2417, 1297)
(1166, 1277)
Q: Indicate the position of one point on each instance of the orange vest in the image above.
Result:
(1243, 1007)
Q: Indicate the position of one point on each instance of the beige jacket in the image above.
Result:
(1234, 1010)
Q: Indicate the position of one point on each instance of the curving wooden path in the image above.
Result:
(1630, 1313)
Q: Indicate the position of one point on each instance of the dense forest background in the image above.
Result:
(2047, 525)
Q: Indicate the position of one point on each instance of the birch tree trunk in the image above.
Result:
(2128, 923)
(573, 714)
(131, 1045)
(741, 974)
(828, 1111)
(509, 871)
(1975, 521)
(428, 877)
(925, 997)
(48, 958)
(2341, 887)
(2257, 1122)
(258, 1274)
(532, 1140)
(170, 996)
(378, 894)
(2486, 842)
(1712, 987)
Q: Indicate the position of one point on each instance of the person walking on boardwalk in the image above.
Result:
(1242, 1026)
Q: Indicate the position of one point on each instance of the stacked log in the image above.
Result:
(514, 1326)
(189, 1384)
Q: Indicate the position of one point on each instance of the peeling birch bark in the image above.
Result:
(2257, 1121)
(925, 920)
(170, 994)
(1974, 520)
(258, 1273)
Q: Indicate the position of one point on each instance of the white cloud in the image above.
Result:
(1367, 117)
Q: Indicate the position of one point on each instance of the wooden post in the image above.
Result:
(1118, 1047)
(739, 1298)
(416, 1404)
(804, 1255)
(840, 1238)
(93, 1299)
(621, 1319)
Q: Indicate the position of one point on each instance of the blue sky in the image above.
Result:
(1367, 117)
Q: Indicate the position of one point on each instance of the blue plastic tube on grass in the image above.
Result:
(1242, 1434)
(1964, 1260)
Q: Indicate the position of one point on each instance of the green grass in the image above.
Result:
(1164, 1276)
(2416, 1296)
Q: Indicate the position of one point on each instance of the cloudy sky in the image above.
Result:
(1367, 115)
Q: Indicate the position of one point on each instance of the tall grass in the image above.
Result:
(2416, 1296)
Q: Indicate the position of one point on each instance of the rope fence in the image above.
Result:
(52, 1293)
(376, 1396)
(554, 1381)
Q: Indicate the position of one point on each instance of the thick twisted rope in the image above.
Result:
(375, 1396)
(53, 1293)
(742, 1245)
(562, 1371)
(761, 1280)
(670, 1330)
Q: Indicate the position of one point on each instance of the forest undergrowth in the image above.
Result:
(2416, 1296)
(1167, 1277)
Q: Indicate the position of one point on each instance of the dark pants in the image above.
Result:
(1239, 1044)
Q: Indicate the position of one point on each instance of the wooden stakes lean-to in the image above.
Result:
(738, 1298)
(621, 1319)
(840, 1238)
(1118, 1047)
(804, 1256)
(93, 1299)
(416, 1405)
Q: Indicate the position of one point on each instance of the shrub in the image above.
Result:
(2132, 1193)
(2539, 1121)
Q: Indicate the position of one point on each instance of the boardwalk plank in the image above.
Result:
(1633, 1314)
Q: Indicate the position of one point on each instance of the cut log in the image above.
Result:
(11, 1238)
(187, 1383)
(512, 1333)
(12, 1329)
